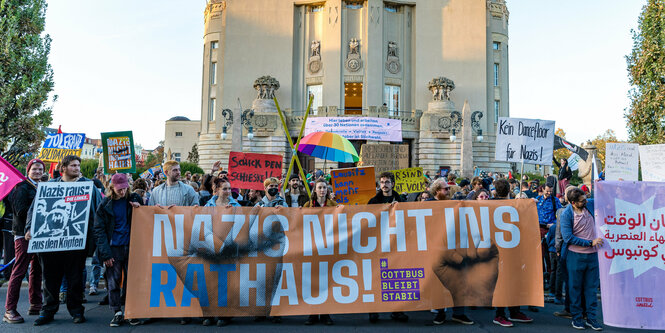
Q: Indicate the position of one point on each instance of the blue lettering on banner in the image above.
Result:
(157, 288)
(222, 281)
(200, 292)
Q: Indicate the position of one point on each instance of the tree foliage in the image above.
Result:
(600, 142)
(193, 155)
(89, 167)
(191, 167)
(646, 72)
(26, 77)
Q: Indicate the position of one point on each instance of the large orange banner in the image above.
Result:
(241, 261)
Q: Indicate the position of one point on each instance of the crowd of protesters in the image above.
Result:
(565, 216)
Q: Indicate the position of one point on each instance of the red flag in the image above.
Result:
(510, 175)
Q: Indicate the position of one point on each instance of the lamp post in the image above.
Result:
(245, 120)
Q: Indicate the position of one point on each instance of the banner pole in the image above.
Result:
(521, 177)
(288, 137)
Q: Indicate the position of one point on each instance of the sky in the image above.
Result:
(131, 65)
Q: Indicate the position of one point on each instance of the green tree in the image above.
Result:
(193, 155)
(191, 167)
(89, 167)
(646, 73)
(26, 78)
(600, 142)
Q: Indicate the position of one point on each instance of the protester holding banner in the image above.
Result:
(579, 251)
(564, 173)
(112, 233)
(222, 198)
(514, 314)
(21, 198)
(272, 197)
(295, 195)
(65, 263)
(173, 192)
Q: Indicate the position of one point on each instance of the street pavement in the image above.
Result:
(99, 316)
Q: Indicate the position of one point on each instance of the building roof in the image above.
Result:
(179, 118)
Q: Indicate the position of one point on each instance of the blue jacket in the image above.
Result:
(550, 238)
(213, 202)
(547, 209)
(567, 220)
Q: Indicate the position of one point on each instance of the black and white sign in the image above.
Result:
(524, 140)
(60, 216)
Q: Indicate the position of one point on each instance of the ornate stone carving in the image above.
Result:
(441, 88)
(392, 63)
(261, 121)
(265, 87)
(353, 62)
(314, 64)
(214, 8)
(498, 9)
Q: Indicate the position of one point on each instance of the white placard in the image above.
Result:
(527, 140)
(653, 163)
(357, 128)
(574, 162)
(621, 161)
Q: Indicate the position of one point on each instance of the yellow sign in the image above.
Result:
(409, 180)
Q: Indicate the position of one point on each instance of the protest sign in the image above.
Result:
(57, 146)
(242, 261)
(524, 140)
(152, 171)
(249, 170)
(357, 128)
(630, 216)
(409, 180)
(621, 161)
(384, 157)
(60, 216)
(119, 154)
(353, 186)
(574, 162)
(9, 177)
(652, 159)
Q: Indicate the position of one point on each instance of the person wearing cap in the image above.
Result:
(295, 195)
(112, 227)
(68, 264)
(21, 197)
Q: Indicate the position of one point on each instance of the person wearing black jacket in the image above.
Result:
(21, 198)
(387, 195)
(564, 174)
(68, 264)
(112, 231)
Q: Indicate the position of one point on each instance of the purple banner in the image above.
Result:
(357, 128)
(9, 177)
(630, 216)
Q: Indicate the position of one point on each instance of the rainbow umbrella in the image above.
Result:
(328, 146)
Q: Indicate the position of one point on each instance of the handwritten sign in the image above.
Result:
(357, 128)
(524, 140)
(57, 146)
(409, 180)
(632, 257)
(574, 161)
(384, 157)
(119, 155)
(353, 186)
(249, 170)
(652, 158)
(621, 161)
(9, 177)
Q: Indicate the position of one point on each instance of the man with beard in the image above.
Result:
(21, 198)
(387, 195)
(294, 195)
(173, 192)
(69, 264)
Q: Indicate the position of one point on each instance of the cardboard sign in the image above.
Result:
(9, 177)
(574, 161)
(652, 158)
(353, 186)
(621, 161)
(150, 173)
(119, 155)
(247, 261)
(357, 128)
(60, 216)
(630, 219)
(384, 157)
(57, 146)
(249, 170)
(409, 180)
(524, 140)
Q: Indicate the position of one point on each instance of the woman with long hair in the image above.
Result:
(320, 198)
(222, 194)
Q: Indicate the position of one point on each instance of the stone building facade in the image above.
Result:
(439, 66)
